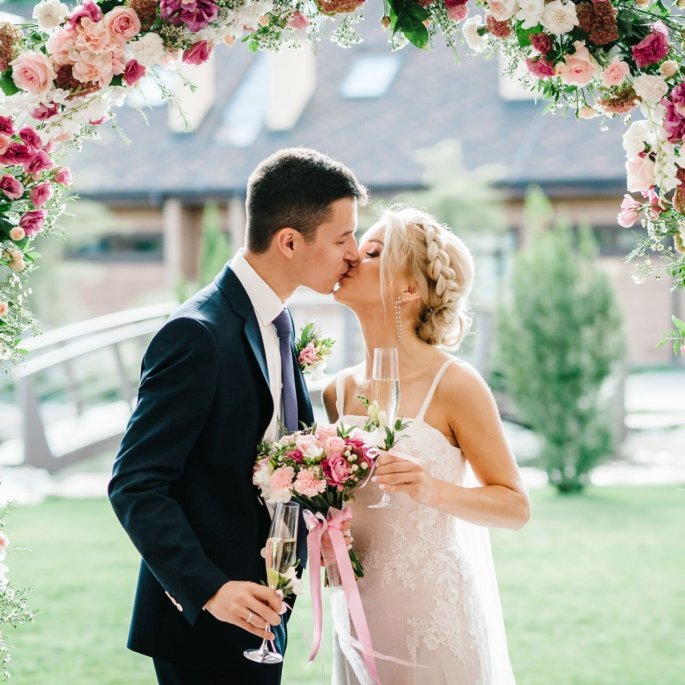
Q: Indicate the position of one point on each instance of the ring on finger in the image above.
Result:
(249, 618)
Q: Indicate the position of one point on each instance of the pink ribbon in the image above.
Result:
(333, 524)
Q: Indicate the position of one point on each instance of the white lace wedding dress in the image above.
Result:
(429, 590)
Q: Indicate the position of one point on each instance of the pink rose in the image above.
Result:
(39, 162)
(309, 445)
(298, 21)
(4, 143)
(33, 72)
(31, 137)
(540, 67)
(6, 126)
(63, 176)
(32, 222)
(123, 23)
(615, 74)
(308, 355)
(296, 455)
(541, 42)
(579, 68)
(308, 485)
(326, 430)
(630, 211)
(89, 9)
(11, 187)
(651, 49)
(334, 446)
(43, 112)
(336, 470)
(197, 53)
(40, 194)
(133, 73)
(640, 172)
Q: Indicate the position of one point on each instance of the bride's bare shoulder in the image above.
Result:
(463, 386)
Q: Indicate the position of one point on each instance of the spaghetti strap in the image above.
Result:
(340, 394)
(431, 392)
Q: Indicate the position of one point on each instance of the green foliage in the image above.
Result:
(558, 339)
(215, 251)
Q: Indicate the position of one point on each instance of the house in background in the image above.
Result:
(372, 109)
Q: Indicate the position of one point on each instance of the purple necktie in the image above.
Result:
(284, 329)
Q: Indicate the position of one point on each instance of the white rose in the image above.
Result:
(49, 14)
(475, 41)
(503, 9)
(650, 88)
(530, 12)
(559, 17)
(147, 50)
(635, 137)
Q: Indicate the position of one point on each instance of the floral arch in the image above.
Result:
(63, 73)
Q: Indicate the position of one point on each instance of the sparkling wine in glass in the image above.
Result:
(385, 390)
(280, 555)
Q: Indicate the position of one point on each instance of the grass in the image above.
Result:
(592, 589)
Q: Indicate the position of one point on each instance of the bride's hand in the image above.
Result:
(400, 475)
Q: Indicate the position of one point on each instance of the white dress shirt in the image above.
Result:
(267, 306)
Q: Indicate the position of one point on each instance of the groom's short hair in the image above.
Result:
(294, 188)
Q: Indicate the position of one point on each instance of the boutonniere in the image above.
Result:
(312, 349)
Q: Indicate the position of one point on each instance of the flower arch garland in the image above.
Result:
(62, 75)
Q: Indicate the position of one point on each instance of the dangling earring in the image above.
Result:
(398, 320)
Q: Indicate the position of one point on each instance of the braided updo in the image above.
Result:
(441, 265)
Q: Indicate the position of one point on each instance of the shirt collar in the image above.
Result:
(266, 303)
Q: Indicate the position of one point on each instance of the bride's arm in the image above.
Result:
(328, 395)
(502, 500)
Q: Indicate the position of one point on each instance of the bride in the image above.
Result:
(429, 589)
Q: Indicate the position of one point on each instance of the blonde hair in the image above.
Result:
(441, 265)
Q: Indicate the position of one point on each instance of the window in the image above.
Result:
(246, 112)
(121, 247)
(370, 76)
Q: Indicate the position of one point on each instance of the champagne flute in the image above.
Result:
(280, 555)
(385, 390)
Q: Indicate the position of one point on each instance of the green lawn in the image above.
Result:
(593, 592)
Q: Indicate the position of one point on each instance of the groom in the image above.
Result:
(216, 380)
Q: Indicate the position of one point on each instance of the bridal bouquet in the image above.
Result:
(319, 467)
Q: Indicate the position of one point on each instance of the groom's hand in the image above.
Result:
(249, 606)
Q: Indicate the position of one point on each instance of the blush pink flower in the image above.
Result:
(308, 355)
(32, 222)
(308, 484)
(4, 542)
(457, 10)
(63, 176)
(123, 24)
(93, 36)
(615, 73)
(334, 446)
(40, 194)
(324, 431)
(298, 21)
(651, 49)
(60, 45)
(336, 470)
(540, 67)
(38, 163)
(309, 445)
(579, 68)
(197, 53)
(11, 187)
(33, 72)
(88, 10)
(630, 211)
(44, 112)
(640, 171)
(133, 72)
(281, 480)
(4, 143)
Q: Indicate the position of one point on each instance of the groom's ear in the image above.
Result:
(286, 240)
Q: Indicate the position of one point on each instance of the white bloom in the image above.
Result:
(665, 167)
(530, 13)
(295, 583)
(559, 17)
(261, 478)
(147, 50)
(635, 137)
(49, 14)
(650, 88)
(503, 9)
(282, 495)
(475, 41)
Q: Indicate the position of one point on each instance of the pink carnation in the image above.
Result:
(40, 194)
(12, 188)
(197, 53)
(281, 478)
(308, 485)
(615, 73)
(32, 222)
(651, 49)
(540, 67)
(630, 211)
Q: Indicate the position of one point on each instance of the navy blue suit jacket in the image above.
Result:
(182, 480)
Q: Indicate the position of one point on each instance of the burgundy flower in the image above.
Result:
(32, 222)
(88, 9)
(651, 49)
(541, 42)
(11, 187)
(540, 67)
(133, 73)
(674, 120)
(195, 15)
(6, 126)
(31, 138)
(44, 112)
(198, 53)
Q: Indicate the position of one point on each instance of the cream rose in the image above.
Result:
(640, 172)
(579, 68)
